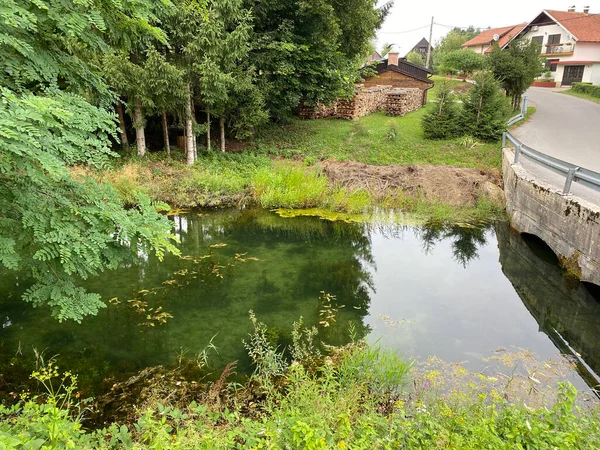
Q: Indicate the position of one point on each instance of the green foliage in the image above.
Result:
(449, 43)
(485, 109)
(289, 186)
(442, 119)
(586, 88)
(516, 67)
(56, 228)
(415, 58)
(310, 51)
(464, 62)
(354, 399)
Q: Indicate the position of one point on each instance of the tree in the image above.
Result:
(56, 111)
(442, 120)
(415, 58)
(224, 41)
(465, 62)
(485, 109)
(165, 85)
(516, 67)
(452, 41)
(310, 51)
(387, 47)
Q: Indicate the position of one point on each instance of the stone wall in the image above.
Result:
(568, 224)
(402, 101)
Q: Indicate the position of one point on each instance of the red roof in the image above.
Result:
(585, 27)
(487, 36)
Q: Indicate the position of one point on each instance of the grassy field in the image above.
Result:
(374, 139)
(581, 95)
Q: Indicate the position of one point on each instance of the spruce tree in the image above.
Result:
(485, 109)
(442, 119)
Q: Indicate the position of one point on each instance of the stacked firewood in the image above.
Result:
(403, 100)
(365, 102)
(317, 111)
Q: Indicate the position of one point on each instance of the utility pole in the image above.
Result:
(429, 44)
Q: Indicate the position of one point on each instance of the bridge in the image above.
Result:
(566, 217)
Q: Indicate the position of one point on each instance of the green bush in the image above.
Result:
(442, 119)
(587, 88)
(485, 109)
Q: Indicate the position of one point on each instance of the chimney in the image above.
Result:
(571, 8)
(586, 9)
(393, 55)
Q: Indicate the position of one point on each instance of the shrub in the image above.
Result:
(587, 88)
(485, 109)
(441, 121)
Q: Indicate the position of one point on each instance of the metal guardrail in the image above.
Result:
(573, 173)
(519, 116)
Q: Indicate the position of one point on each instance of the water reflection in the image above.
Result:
(568, 312)
(426, 290)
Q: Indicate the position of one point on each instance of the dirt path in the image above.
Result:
(457, 186)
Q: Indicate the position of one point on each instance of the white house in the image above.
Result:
(570, 42)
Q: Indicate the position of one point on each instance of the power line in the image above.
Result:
(401, 32)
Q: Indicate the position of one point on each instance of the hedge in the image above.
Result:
(587, 88)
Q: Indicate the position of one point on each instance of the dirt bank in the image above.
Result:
(456, 186)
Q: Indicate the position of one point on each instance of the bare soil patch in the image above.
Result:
(457, 186)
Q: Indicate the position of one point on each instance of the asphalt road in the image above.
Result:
(565, 127)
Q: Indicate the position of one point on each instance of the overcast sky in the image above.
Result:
(407, 15)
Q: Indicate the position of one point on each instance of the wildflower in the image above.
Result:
(426, 384)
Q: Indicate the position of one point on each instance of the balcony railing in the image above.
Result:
(558, 49)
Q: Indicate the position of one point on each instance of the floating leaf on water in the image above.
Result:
(221, 245)
(114, 301)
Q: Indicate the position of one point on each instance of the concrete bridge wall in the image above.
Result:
(568, 224)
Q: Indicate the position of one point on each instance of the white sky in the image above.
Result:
(408, 15)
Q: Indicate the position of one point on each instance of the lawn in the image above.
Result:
(374, 139)
(572, 93)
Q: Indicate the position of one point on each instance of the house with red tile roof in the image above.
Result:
(482, 43)
(570, 42)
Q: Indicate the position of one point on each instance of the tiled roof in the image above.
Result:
(508, 36)
(487, 36)
(585, 27)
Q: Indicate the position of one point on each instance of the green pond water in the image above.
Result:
(459, 293)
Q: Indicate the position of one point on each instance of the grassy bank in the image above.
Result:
(283, 168)
(229, 180)
(374, 139)
(311, 397)
(583, 95)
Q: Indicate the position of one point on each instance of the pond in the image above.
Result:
(459, 293)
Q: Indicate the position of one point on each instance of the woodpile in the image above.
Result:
(403, 100)
(317, 111)
(365, 101)
(395, 101)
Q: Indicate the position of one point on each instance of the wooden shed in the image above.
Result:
(399, 73)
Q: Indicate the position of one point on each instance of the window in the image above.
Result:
(554, 39)
(539, 40)
(551, 64)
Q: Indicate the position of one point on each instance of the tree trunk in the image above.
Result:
(140, 135)
(189, 135)
(122, 132)
(208, 128)
(222, 124)
(165, 126)
(195, 140)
